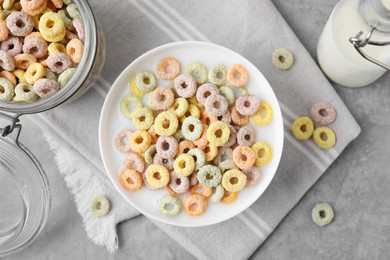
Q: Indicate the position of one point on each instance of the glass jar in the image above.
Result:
(27, 215)
(353, 48)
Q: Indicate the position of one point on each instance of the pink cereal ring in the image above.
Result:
(162, 98)
(205, 90)
(247, 105)
(246, 136)
(79, 26)
(178, 183)
(168, 68)
(135, 162)
(167, 146)
(70, 36)
(19, 24)
(252, 176)
(58, 62)
(122, 140)
(167, 163)
(46, 87)
(237, 76)
(35, 46)
(12, 45)
(185, 85)
(227, 117)
(216, 105)
(74, 49)
(6, 61)
(193, 179)
(323, 113)
(23, 61)
(232, 137)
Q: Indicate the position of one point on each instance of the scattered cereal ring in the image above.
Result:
(142, 118)
(23, 61)
(238, 118)
(246, 135)
(19, 24)
(59, 62)
(206, 90)
(6, 61)
(74, 49)
(322, 214)
(6, 90)
(263, 153)
(135, 162)
(237, 76)
(199, 157)
(122, 140)
(302, 128)
(263, 115)
(146, 81)
(324, 137)
(218, 133)
(45, 87)
(167, 146)
(180, 106)
(233, 180)
(166, 123)
(227, 165)
(282, 59)
(244, 157)
(168, 68)
(12, 45)
(192, 128)
(218, 194)
(179, 184)
(34, 72)
(63, 78)
(167, 163)
(226, 118)
(157, 176)
(216, 105)
(198, 72)
(185, 85)
(131, 180)
(25, 92)
(229, 197)
(128, 104)
(100, 206)
(323, 113)
(184, 164)
(223, 155)
(211, 151)
(195, 205)
(209, 175)
(185, 146)
(140, 141)
(217, 74)
(232, 137)
(252, 176)
(228, 93)
(170, 206)
(202, 140)
(135, 90)
(52, 27)
(150, 153)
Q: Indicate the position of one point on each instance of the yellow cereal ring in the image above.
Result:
(302, 128)
(140, 141)
(229, 197)
(193, 110)
(211, 151)
(20, 74)
(157, 176)
(56, 47)
(142, 118)
(264, 114)
(34, 72)
(52, 27)
(179, 106)
(233, 180)
(166, 123)
(263, 153)
(324, 137)
(134, 89)
(184, 164)
(218, 133)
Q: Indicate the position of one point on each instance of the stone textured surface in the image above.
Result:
(356, 185)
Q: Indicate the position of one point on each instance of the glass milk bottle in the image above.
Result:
(354, 47)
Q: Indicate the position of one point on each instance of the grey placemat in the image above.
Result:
(252, 28)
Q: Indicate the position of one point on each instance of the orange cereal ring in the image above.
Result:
(74, 49)
(57, 3)
(140, 141)
(207, 119)
(229, 197)
(4, 32)
(33, 35)
(195, 205)
(185, 147)
(131, 180)
(210, 151)
(153, 134)
(8, 75)
(38, 9)
(23, 61)
(202, 141)
(168, 68)
(238, 76)
(237, 118)
(170, 191)
(17, 6)
(244, 157)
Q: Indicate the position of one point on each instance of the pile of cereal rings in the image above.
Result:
(41, 43)
(192, 137)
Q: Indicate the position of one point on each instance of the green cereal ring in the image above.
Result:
(209, 175)
(65, 76)
(170, 206)
(283, 59)
(227, 165)
(67, 2)
(6, 90)
(146, 81)
(150, 153)
(234, 180)
(322, 214)
(218, 194)
(179, 106)
(128, 104)
(73, 11)
(142, 118)
(198, 72)
(25, 92)
(51, 75)
(179, 135)
(217, 74)
(228, 93)
(67, 21)
(199, 157)
(192, 128)
(100, 206)
(302, 128)
(7, 4)
(244, 91)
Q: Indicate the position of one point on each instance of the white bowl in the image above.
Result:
(112, 121)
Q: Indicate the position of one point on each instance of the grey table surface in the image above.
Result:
(357, 185)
